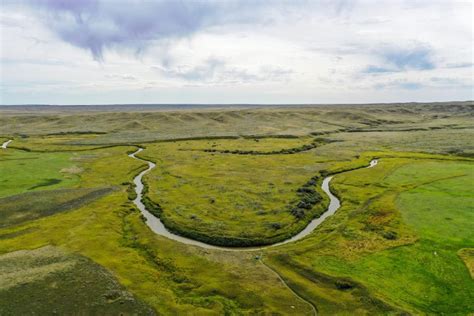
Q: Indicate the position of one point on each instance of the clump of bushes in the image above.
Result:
(287, 151)
(344, 285)
(131, 194)
(275, 226)
(390, 235)
(297, 212)
(153, 207)
(308, 198)
(77, 133)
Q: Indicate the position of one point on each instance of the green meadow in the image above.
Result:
(232, 199)
(399, 237)
(27, 172)
(73, 242)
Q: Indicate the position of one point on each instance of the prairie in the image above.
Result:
(229, 198)
(400, 243)
(404, 229)
(48, 280)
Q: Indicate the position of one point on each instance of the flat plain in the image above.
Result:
(401, 243)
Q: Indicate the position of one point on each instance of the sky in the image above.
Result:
(227, 52)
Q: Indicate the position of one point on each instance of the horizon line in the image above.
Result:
(230, 104)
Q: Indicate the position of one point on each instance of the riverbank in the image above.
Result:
(157, 226)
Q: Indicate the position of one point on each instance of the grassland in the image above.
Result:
(47, 280)
(141, 124)
(399, 235)
(24, 171)
(169, 277)
(400, 243)
(232, 199)
(28, 206)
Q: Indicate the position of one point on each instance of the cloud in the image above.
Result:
(205, 71)
(96, 25)
(399, 84)
(121, 76)
(235, 50)
(418, 58)
(410, 85)
(265, 73)
(217, 71)
(443, 82)
(460, 65)
(397, 59)
(371, 69)
(342, 6)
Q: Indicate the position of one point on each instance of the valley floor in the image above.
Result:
(72, 240)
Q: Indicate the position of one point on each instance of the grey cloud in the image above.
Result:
(215, 70)
(96, 25)
(433, 82)
(121, 76)
(371, 69)
(452, 82)
(460, 65)
(206, 71)
(399, 84)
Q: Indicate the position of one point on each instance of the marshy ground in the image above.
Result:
(402, 241)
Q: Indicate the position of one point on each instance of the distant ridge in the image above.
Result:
(192, 106)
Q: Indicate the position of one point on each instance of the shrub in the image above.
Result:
(344, 285)
(298, 213)
(275, 225)
(390, 235)
(306, 189)
(304, 205)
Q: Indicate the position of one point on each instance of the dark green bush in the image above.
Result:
(390, 235)
(344, 285)
(275, 225)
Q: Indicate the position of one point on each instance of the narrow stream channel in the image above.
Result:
(159, 228)
(5, 144)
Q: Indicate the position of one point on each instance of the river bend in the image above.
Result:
(155, 224)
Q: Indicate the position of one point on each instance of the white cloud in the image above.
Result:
(299, 52)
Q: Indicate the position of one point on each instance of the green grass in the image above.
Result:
(51, 143)
(427, 205)
(23, 171)
(400, 242)
(170, 277)
(50, 281)
(20, 208)
(330, 294)
(442, 210)
(230, 199)
(266, 144)
(467, 255)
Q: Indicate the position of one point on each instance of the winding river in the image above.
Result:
(159, 228)
(5, 144)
